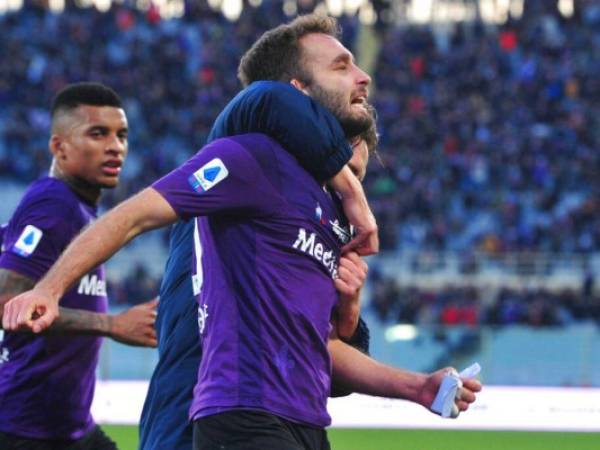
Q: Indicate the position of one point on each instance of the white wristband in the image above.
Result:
(444, 402)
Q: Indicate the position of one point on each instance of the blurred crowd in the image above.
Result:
(174, 75)
(471, 306)
(490, 136)
(491, 139)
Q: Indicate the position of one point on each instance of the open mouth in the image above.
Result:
(112, 168)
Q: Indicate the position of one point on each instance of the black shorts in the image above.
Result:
(94, 440)
(255, 430)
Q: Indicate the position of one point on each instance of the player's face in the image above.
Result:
(360, 159)
(336, 81)
(90, 144)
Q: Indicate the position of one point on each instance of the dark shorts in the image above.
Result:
(254, 430)
(94, 440)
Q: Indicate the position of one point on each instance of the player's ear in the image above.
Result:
(299, 85)
(56, 145)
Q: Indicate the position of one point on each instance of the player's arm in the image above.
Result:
(354, 201)
(304, 128)
(134, 326)
(345, 320)
(12, 284)
(313, 136)
(38, 308)
(352, 274)
(357, 372)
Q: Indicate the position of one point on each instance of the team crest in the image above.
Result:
(208, 176)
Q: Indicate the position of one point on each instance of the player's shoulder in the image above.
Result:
(251, 150)
(48, 189)
(47, 197)
(250, 142)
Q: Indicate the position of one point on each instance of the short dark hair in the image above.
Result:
(85, 93)
(277, 55)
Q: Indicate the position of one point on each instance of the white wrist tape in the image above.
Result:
(444, 402)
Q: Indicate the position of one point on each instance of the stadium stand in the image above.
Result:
(488, 194)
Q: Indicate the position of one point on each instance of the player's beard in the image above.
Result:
(352, 123)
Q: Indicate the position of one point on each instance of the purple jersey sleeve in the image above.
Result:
(223, 177)
(35, 237)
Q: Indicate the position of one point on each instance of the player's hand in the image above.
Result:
(358, 213)
(465, 395)
(352, 274)
(366, 239)
(136, 325)
(33, 310)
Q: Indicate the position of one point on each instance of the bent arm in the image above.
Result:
(312, 134)
(302, 126)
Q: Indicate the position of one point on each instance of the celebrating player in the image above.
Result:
(269, 240)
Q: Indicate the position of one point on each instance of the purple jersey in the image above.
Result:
(268, 244)
(47, 382)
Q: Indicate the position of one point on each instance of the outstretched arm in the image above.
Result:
(132, 327)
(359, 373)
(37, 309)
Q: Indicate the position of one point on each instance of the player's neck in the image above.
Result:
(89, 193)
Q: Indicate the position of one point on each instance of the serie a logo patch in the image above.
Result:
(208, 176)
(28, 241)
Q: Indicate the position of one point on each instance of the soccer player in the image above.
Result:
(308, 132)
(47, 382)
(266, 297)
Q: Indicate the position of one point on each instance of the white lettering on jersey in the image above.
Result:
(91, 285)
(198, 277)
(317, 250)
(342, 233)
(202, 316)
(28, 241)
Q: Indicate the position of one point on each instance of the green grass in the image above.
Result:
(126, 437)
(353, 439)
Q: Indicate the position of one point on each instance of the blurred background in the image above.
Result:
(487, 189)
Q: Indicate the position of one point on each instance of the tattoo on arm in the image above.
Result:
(12, 284)
(69, 320)
(81, 322)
